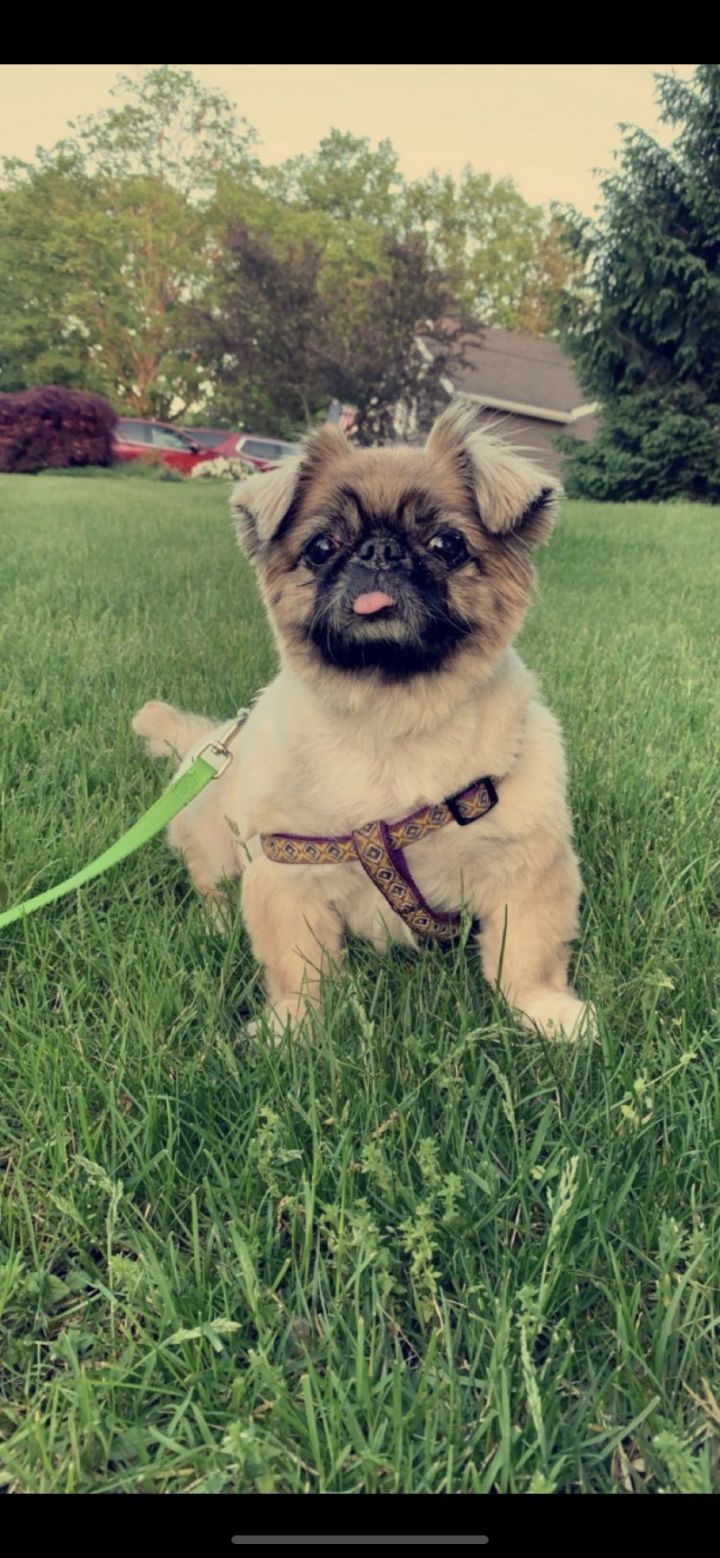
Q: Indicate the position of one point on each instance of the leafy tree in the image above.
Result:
(375, 362)
(171, 129)
(105, 241)
(259, 333)
(552, 269)
(280, 338)
(644, 328)
(41, 340)
(150, 258)
(351, 248)
(505, 259)
(310, 251)
(344, 178)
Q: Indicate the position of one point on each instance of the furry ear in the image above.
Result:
(264, 503)
(513, 496)
(259, 505)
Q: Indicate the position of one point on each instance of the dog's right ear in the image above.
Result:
(264, 505)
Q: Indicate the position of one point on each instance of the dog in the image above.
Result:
(395, 581)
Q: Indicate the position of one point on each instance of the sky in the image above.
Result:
(547, 126)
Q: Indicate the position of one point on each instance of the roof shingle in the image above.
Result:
(525, 369)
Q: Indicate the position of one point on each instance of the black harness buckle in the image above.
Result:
(454, 802)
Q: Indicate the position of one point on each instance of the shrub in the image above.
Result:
(228, 469)
(49, 427)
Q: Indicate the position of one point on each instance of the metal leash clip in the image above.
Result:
(215, 751)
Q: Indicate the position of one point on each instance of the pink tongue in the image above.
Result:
(365, 605)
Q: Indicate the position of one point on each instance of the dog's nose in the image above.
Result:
(382, 550)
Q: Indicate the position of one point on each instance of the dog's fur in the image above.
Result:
(375, 716)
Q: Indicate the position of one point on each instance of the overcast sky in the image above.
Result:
(547, 126)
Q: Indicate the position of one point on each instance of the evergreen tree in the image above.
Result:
(644, 327)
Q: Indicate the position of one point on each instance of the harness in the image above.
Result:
(380, 849)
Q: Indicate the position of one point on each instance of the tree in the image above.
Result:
(280, 337)
(41, 340)
(105, 242)
(345, 178)
(259, 333)
(644, 328)
(169, 129)
(375, 363)
(129, 250)
(507, 260)
(552, 269)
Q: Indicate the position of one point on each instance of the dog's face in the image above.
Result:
(395, 562)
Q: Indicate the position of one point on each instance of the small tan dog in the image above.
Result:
(395, 581)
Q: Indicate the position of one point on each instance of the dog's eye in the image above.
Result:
(450, 546)
(319, 550)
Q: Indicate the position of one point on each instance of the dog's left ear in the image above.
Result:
(263, 505)
(513, 496)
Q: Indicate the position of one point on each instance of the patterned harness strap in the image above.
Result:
(379, 847)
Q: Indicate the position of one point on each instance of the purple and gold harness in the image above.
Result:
(379, 847)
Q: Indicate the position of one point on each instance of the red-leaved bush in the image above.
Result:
(52, 427)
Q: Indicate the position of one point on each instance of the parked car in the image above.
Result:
(138, 439)
(211, 437)
(264, 453)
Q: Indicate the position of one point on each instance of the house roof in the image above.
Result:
(508, 371)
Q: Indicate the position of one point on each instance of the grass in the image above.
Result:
(424, 1252)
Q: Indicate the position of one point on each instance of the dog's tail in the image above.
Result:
(170, 732)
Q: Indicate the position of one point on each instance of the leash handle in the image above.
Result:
(206, 766)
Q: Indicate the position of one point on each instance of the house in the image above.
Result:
(526, 386)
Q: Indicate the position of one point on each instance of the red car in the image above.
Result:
(138, 439)
(218, 439)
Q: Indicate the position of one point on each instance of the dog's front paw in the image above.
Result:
(276, 1021)
(558, 1016)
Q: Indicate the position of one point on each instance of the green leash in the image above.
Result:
(209, 764)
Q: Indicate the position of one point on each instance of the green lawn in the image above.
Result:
(425, 1252)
